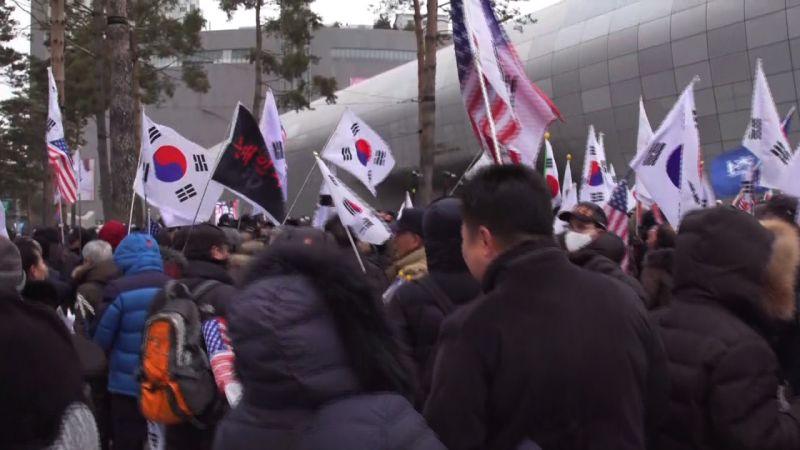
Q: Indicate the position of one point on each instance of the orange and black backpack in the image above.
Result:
(175, 376)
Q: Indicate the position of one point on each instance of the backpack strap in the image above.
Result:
(441, 298)
(206, 309)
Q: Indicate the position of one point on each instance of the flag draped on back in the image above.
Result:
(594, 179)
(764, 136)
(669, 167)
(57, 151)
(275, 138)
(521, 111)
(617, 214)
(246, 167)
(551, 175)
(358, 149)
(354, 213)
(173, 174)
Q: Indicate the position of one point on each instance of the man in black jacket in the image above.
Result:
(418, 307)
(551, 353)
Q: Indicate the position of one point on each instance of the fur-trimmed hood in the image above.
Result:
(307, 329)
(727, 256)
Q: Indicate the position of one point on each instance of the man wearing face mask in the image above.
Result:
(590, 246)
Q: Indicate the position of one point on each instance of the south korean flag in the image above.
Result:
(358, 149)
(354, 213)
(173, 173)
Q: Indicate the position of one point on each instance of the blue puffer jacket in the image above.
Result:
(120, 329)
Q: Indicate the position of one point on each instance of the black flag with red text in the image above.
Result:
(246, 167)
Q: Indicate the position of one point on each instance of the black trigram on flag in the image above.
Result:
(380, 158)
(592, 150)
(200, 163)
(355, 128)
(277, 149)
(366, 224)
(50, 124)
(548, 163)
(347, 155)
(145, 171)
(780, 151)
(755, 129)
(597, 197)
(185, 193)
(153, 133)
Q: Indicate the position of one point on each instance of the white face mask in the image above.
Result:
(576, 241)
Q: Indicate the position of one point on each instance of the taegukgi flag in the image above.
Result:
(173, 174)
(358, 149)
(354, 213)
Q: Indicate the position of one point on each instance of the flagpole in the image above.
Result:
(144, 188)
(482, 83)
(461, 179)
(353, 243)
(297, 197)
(61, 219)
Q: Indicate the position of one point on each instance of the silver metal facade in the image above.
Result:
(595, 58)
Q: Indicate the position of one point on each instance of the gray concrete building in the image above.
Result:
(594, 58)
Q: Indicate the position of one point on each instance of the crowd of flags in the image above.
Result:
(509, 116)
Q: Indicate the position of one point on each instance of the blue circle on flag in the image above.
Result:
(674, 166)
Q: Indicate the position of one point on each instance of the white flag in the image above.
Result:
(669, 168)
(764, 136)
(325, 208)
(569, 198)
(354, 213)
(551, 174)
(173, 174)
(3, 225)
(594, 187)
(642, 139)
(275, 138)
(358, 149)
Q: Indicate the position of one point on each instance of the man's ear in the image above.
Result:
(487, 241)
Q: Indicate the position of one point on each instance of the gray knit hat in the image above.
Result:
(11, 273)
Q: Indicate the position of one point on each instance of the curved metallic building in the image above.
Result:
(595, 58)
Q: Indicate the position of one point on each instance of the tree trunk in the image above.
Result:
(106, 182)
(57, 28)
(427, 106)
(121, 111)
(258, 95)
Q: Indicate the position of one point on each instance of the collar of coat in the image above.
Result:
(412, 265)
(522, 252)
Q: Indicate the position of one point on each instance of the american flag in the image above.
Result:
(745, 200)
(220, 353)
(506, 124)
(59, 158)
(521, 111)
(617, 213)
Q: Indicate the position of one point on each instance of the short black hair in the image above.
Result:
(512, 201)
(29, 253)
(665, 236)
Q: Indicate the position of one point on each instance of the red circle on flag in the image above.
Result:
(552, 183)
(364, 151)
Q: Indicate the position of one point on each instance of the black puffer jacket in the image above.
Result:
(317, 361)
(657, 277)
(733, 278)
(604, 255)
(414, 309)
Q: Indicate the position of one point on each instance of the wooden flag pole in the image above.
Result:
(297, 197)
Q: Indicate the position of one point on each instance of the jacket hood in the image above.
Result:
(607, 244)
(101, 272)
(726, 256)
(170, 255)
(207, 270)
(307, 329)
(441, 227)
(138, 253)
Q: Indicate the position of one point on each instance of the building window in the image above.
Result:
(381, 54)
(240, 56)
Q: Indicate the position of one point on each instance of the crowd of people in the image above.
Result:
(474, 327)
